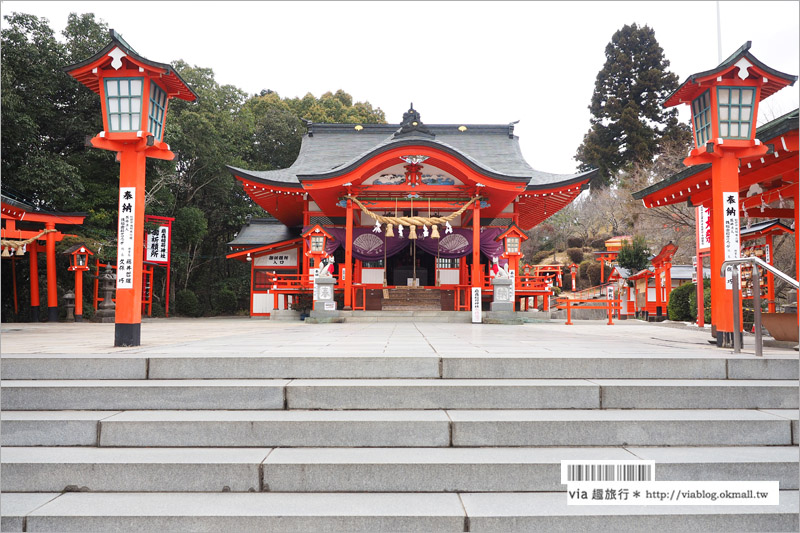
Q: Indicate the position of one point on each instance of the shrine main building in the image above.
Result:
(397, 205)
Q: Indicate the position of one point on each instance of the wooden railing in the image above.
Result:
(569, 303)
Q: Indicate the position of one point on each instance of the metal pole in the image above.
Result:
(757, 311)
(737, 340)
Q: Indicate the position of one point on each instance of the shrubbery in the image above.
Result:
(678, 308)
(575, 254)
(575, 242)
(187, 304)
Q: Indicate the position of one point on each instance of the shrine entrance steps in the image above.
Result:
(412, 299)
(197, 439)
(463, 317)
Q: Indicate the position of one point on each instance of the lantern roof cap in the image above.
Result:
(85, 71)
(513, 230)
(77, 247)
(742, 61)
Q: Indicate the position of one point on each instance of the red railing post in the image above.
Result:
(610, 312)
(569, 313)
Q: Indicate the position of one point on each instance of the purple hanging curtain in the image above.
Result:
(368, 246)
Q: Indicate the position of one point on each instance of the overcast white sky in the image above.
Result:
(458, 62)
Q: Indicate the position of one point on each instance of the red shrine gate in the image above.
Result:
(398, 206)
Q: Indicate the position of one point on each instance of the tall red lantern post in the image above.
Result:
(78, 263)
(134, 96)
(724, 106)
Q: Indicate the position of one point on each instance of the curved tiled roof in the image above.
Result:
(333, 149)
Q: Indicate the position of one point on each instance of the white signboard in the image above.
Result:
(125, 244)
(476, 305)
(730, 218)
(512, 274)
(313, 275)
(158, 245)
(695, 273)
(330, 306)
(704, 223)
(287, 258)
(766, 254)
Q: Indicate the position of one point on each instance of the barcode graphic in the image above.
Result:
(607, 471)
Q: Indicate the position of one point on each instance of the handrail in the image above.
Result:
(754, 262)
(766, 266)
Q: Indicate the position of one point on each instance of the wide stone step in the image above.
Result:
(293, 512)
(41, 469)
(428, 428)
(547, 512)
(143, 394)
(540, 394)
(441, 394)
(560, 364)
(284, 513)
(278, 428)
(389, 394)
(357, 364)
(506, 469)
(629, 427)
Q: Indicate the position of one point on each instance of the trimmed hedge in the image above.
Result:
(678, 308)
(575, 255)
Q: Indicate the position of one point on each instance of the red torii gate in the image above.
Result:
(27, 241)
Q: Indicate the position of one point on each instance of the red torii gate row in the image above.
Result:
(27, 241)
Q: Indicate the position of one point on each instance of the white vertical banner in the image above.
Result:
(512, 274)
(313, 274)
(732, 243)
(125, 244)
(766, 253)
(704, 223)
(476, 305)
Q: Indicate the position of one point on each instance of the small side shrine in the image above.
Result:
(397, 206)
(31, 231)
(758, 241)
(609, 255)
(733, 170)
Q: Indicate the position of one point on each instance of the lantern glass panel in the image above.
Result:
(158, 103)
(702, 118)
(735, 106)
(123, 103)
(512, 245)
(317, 243)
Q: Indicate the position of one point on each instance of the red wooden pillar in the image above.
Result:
(128, 327)
(724, 179)
(659, 293)
(668, 284)
(33, 257)
(347, 271)
(78, 295)
(52, 292)
(477, 277)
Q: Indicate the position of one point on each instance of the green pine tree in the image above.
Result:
(628, 123)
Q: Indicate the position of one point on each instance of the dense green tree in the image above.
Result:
(634, 255)
(628, 122)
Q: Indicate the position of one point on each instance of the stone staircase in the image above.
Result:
(412, 299)
(309, 442)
